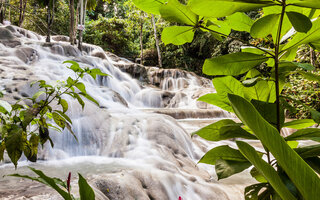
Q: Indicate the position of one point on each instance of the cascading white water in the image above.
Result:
(123, 146)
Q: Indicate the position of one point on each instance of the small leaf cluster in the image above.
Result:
(287, 171)
(23, 127)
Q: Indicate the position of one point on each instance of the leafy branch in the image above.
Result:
(24, 127)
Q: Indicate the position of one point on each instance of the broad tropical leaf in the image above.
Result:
(222, 152)
(222, 8)
(232, 64)
(309, 151)
(222, 130)
(269, 111)
(174, 11)
(300, 22)
(312, 35)
(306, 3)
(299, 123)
(264, 26)
(305, 134)
(239, 22)
(226, 168)
(302, 175)
(267, 170)
(150, 6)
(177, 35)
(217, 100)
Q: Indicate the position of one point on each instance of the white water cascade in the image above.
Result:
(136, 145)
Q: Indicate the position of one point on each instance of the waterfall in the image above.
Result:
(136, 145)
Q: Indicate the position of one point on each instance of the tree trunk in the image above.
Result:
(50, 20)
(77, 22)
(20, 13)
(82, 19)
(22, 10)
(157, 41)
(48, 24)
(2, 11)
(141, 42)
(72, 25)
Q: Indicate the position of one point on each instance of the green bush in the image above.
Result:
(112, 35)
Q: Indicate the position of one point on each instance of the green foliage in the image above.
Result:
(16, 135)
(232, 64)
(177, 35)
(254, 95)
(112, 34)
(62, 187)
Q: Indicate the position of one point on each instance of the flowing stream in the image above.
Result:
(136, 145)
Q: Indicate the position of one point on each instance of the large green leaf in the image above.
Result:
(222, 152)
(222, 130)
(239, 22)
(299, 123)
(14, 143)
(262, 90)
(264, 26)
(309, 151)
(150, 6)
(223, 86)
(305, 134)
(300, 22)
(86, 192)
(286, 25)
(306, 3)
(217, 100)
(226, 85)
(215, 26)
(222, 8)
(177, 35)
(59, 120)
(269, 112)
(226, 168)
(232, 64)
(302, 175)
(304, 38)
(267, 170)
(174, 11)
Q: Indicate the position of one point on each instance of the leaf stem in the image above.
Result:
(245, 42)
(276, 59)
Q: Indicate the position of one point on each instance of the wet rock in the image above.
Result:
(119, 186)
(177, 99)
(70, 50)
(166, 98)
(7, 38)
(5, 34)
(11, 28)
(27, 54)
(193, 113)
(57, 49)
(60, 38)
(99, 54)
